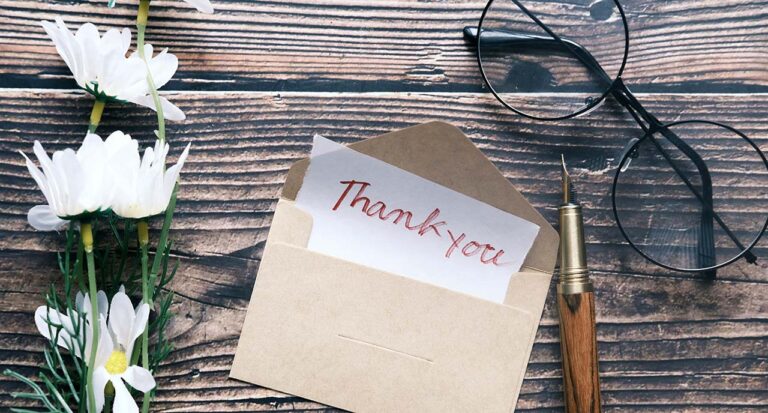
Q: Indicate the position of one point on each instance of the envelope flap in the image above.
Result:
(442, 154)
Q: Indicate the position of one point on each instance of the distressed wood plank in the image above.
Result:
(715, 351)
(668, 342)
(244, 143)
(355, 45)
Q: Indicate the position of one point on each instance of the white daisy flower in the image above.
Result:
(113, 356)
(116, 342)
(76, 183)
(100, 66)
(144, 186)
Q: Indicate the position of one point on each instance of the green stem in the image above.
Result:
(86, 233)
(161, 246)
(142, 228)
(163, 240)
(96, 112)
(143, 234)
(141, 26)
(145, 402)
(67, 271)
(148, 279)
(79, 267)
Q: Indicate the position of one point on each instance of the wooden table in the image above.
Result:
(259, 78)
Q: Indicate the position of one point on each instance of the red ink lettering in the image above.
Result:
(359, 197)
(430, 223)
(488, 249)
(350, 184)
(493, 260)
(400, 214)
(423, 227)
(473, 248)
(474, 244)
(373, 211)
(454, 244)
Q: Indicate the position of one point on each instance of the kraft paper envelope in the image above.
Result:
(365, 340)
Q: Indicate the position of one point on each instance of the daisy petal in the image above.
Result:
(170, 111)
(172, 175)
(202, 5)
(88, 39)
(139, 378)
(66, 46)
(140, 323)
(53, 180)
(79, 297)
(44, 316)
(121, 319)
(105, 344)
(100, 379)
(40, 179)
(115, 40)
(163, 66)
(102, 302)
(126, 38)
(124, 403)
(42, 218)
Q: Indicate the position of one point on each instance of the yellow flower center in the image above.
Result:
(117, 363)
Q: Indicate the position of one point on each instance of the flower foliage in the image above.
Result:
(102, 354)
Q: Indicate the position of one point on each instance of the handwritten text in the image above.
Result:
(431, 225)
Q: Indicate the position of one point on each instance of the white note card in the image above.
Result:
(372, 213)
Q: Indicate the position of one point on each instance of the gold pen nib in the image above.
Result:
(569, 193)
(574, 275)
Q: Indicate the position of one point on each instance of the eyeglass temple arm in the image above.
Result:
(627, 99)
(528, 41)
(581, 53)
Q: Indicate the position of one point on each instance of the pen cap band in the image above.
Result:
(573, 257)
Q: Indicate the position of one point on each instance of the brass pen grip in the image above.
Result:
(574, 273)
(578, 345)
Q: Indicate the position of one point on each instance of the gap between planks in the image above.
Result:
(348, 93)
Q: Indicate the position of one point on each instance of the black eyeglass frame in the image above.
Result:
(624, 96)
(628, 155)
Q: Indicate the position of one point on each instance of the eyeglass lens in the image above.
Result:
(661, 196)
(532, 73)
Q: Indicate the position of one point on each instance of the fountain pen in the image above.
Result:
(576, 307)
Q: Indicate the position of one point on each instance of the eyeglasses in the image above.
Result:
(688, 195)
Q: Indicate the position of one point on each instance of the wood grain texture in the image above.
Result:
(408, 45)
(668, 342)
(258, 78)
(246, 142)
(578, 349)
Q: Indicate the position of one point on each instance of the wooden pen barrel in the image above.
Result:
(578, 344)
